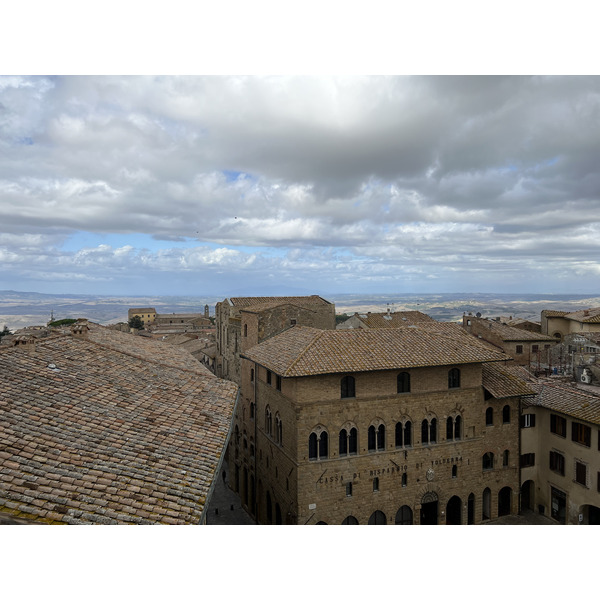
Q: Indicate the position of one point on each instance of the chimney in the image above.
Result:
(25, 341)
(80, 329)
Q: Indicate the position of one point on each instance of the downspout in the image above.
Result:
(254, 499)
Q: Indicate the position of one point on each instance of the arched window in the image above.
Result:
(404, 479)
(318, 445)
(403, 383)
(454, 378)
(372, 441)
(425, 432)
(251, 374)
(488, 461)
(237, 435)
(399, 435)
(378, 518)
(268, 421)
(505, 456)
(278, 430)
(313, 447)
(252, 410)
(353, 441)
(407, 434)
(403, 434)
(323, 445)
(381, 437)
(347, 387)
(454, 471)
(433, 431)
(350, 520)
(489, 416)
(404, 516)
(506, 414)
(343, 445)
(453, 428)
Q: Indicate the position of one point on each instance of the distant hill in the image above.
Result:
(20, 309)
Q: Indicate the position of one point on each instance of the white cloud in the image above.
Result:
(410, 174)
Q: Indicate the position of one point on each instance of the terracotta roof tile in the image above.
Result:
(302, 351)
(118, 419)
(501, 382)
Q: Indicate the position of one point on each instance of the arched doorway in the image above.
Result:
(269, 509)
(350, 520)
(527, 495)
(429, 509)
(404, 516)
(486, 507)
(321, 523)
(591, 514)
(471, 510)
(454, 511)
(378, 518)
(504, 501)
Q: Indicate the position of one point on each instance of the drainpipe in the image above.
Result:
(254, 499)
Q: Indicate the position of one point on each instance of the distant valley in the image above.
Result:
(21, 309)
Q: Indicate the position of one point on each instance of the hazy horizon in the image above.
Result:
(417, 184)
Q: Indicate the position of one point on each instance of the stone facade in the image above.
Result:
(560, 444)
(386, 479)
(244, 322)
(526, 348)
(559, 323)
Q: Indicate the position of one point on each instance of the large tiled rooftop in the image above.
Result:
(302, 351)
(114, 428)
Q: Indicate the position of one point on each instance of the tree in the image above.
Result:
(5, 331)
(136, 323)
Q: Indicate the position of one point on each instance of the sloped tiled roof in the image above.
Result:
(588, 315)
(501, 382)
(393, 319)
(110, 429)
(514, 334)
(555, 313)
(302, 351)
(568, 400)
(276, 300)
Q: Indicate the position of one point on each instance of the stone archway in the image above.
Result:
(429, 509)
(527, 495)
(454, 511)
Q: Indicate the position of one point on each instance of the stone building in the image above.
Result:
(98, 426)
(146, 315)
(560, 452)
(558, 323)
(412, 425)
(385, 320)
(525, 347)
(244, 322)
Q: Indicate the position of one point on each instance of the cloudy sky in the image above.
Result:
(227, 185)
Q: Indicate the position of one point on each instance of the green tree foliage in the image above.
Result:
(5, 331)
(136, 323)
(62, 322)
(341, 318)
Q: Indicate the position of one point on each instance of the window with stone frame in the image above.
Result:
(269, 375)
(506, 414)
(348, 387)
(454, 378)
(318, 446)
(519, 349)
(453, 428)
(487, 461)
(558, 425)
(581, 473)
(581, 434)
(403, 383)
(505, 458)
(489, 416)
(557, 462)
(403, 434)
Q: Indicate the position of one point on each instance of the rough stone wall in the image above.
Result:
(296, 483)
